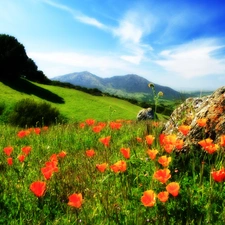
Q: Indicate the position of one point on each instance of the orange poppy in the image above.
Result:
(62, 154)
(179, 144)
(90, 122)
(97, 129)
(164, 160)
(8, 150)
(45, 128)
(184, 129)
(219, 175)
(115, 125)
(152, 153)
(52, 165)
(37, 130)
(10, 161)
(206, 142)
(202, 122)
(168, 148)
(102, 167)
(90, 153)
(54, 158)
(222, 140)
(163, 196)
(38, 188)
(26, 150)
(21, 158)
(148, 198)
(149, 139)
(82, 125)
(211, 148)
(139, 139)
(23, 133)
(105, 141)
(119, 166)
(125, 152)
(47, 172)
(173, 188)
(75, 200)
(162, 175)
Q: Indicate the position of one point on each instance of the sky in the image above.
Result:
(175, 43)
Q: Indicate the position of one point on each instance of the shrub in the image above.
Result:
(29, 113)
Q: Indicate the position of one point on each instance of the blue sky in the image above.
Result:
(175, 43)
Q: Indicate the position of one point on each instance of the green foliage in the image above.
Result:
(29, 113)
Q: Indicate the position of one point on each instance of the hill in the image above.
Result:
(73, 104)
(129, 86)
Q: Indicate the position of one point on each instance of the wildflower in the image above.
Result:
(26, 150)
(163, 196)
(37, 130)
(119, 166)
(148, 198)
(202, 122)
(149, 139)
(21, 158)
(173, 188)
(102, 124)
(164, 160)
(38, 188)
(102, 167)
(151, 85)
(10, 161)
(160, 93)
(90, 122)
(184, 129)
(219, 175)
(211, 148)
(162, 175)
(105, 141)
(222, 140)
(125, 152)
(8, 150)
(168, 139)
(54, 157)
(206, 142)
(62, 154)
(152, 153)
(45, 128)
(139, 139)
(208, 145)
(23, 133)
(179, 144)
(52, 165)
(97, 129)
(168, 148)
(90, 153)
(47, 172)
(82, 125)
(75, 200)
(115, 125)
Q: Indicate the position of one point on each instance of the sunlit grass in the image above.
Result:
(108, 197)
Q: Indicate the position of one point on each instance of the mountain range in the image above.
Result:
(130, 85)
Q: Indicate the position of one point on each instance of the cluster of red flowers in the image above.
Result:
(219, 175)
(36, 130)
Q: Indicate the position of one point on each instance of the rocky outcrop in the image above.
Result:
(145, 114)
(211, 107)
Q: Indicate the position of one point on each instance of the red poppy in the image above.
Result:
(38, 188)
(45, 128)
(139, 139)
(75, 200)
(102, 167)
(164, 160)
(82, 125)
(184, 129)
(149, 139)
(105, 141)
(21, 158)
(173, 188)
(125, 152)
(26, 150)
(97, 129)
(152, 153)
(202, 122)
(148, 198)
(37, 130)
(163, 196)
(62, 154)
(90, 122)
(119, 166)
(52, 165)
(23, 133)
(115, 125)
(162, 175)
(54, 157)
(10, 161)
(8, 150)
(47, 172)
(90, 153)
(219, 175)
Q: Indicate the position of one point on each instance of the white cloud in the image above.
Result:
(193, 59)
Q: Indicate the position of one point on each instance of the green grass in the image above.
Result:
(77, 105)
(109, 197)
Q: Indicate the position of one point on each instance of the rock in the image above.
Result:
(210, 107)
(145, 114)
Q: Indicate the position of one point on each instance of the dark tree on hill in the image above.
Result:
(14, 62)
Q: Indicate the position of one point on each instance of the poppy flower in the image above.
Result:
(75, 200)
(38, 188)
(125, 152)
(219, 175)
(37, 130)
(222, 140)
(52, 165)
(168, 148)
(90, 122)
(179, 144)
(97, 129)
(10, 161)
(115, 125)
(148, 198)
(173, 188)
(168, 139)
(62, 154)
(102, 167)
(139, 139)
(26, 150)
(164, 160)
(54, 158)
(82, 125)
(90, 153)
(152, 153)
(162, 175)
(23, 133)
(102, 124)
(202, 122)
(163, 196)
(47, 172)
(184, 129)
(45, 128)
(105, 141)
(149, 139)
(8, 150)
(21, 158)
(208, 145)
(119, 166)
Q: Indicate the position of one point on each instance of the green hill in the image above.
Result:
(73, 104)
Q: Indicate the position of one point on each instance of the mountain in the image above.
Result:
(131, 85)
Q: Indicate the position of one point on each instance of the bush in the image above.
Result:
(29, 113)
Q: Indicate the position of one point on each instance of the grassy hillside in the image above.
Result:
(75, 105)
